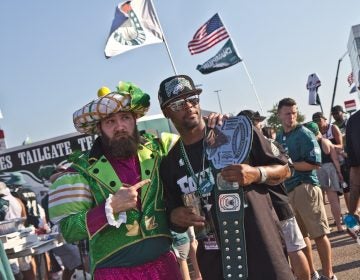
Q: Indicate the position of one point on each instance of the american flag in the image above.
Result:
(350, 79)
(208, 35)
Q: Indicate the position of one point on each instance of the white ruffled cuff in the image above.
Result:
(110, 214)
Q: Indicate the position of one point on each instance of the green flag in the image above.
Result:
(225, 58)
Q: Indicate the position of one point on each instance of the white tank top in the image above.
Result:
(15, 208)
(329, 133)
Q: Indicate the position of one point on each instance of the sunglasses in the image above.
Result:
(180, 104)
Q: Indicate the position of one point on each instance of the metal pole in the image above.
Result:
(165, 42)
(335, 85)
(246, 70)
(253, 86)
(218, 97)
(321, 107)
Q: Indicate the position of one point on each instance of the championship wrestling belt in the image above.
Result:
(230, 144)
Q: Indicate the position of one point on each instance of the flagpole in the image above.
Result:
(165, 42)
(252, 84)
(246, 70)
(335, 85)
(218, 97)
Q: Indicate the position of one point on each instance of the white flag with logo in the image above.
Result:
(134, 25)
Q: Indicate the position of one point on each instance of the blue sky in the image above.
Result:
(52, 61)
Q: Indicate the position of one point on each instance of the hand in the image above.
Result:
(243, 174)
(186, 217)
(215, 119)
(341, 178)
(126, 197)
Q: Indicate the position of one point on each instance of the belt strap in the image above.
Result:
(230, 203)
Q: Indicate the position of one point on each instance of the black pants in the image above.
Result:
(209, 263)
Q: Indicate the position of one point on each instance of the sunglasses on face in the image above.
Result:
(180, 104)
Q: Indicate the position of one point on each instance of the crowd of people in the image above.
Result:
(19, 201)
(145, 204)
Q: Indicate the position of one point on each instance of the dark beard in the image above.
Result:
(191, 124)
(123, 146)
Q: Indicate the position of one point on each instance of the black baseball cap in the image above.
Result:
(174, 87)
(317, 116)
(252, 115)
(336, 109)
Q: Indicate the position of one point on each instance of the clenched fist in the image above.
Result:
(186, 217)
(243, 174)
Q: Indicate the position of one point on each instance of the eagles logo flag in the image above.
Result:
(134, 25)
(225, 58)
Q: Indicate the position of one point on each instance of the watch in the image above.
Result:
(263, 174)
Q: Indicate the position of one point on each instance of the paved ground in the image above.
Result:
(346, 252)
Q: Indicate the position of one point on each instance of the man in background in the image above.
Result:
(338, 114)
(294, 240)
(254, 116)
(341, 121)
(353, 148)
(304, 194)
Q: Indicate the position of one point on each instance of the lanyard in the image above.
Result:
(188, 166)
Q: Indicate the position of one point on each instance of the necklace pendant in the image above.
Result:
(207, 206)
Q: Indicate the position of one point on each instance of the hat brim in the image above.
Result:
(318, 119)
(189, 93)
(261, 118)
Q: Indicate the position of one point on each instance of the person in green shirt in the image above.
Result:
(304, 194)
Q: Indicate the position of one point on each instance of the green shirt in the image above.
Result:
(180, 238)
(301, 145)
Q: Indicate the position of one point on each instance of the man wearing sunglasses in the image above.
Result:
(186, 170)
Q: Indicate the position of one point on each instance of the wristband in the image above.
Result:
(109, 211)
(263, 174)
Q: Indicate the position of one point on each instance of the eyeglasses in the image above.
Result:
(180, 104)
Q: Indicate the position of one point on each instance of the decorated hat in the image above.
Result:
(174, 87)
(318, 116)
(252, 115)
(127, 98)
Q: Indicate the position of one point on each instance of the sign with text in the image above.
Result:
(350, 105)
(37, 161)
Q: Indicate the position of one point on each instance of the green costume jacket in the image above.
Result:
(77, 198)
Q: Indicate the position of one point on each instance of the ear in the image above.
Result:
(98, 128)
(164, 111)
